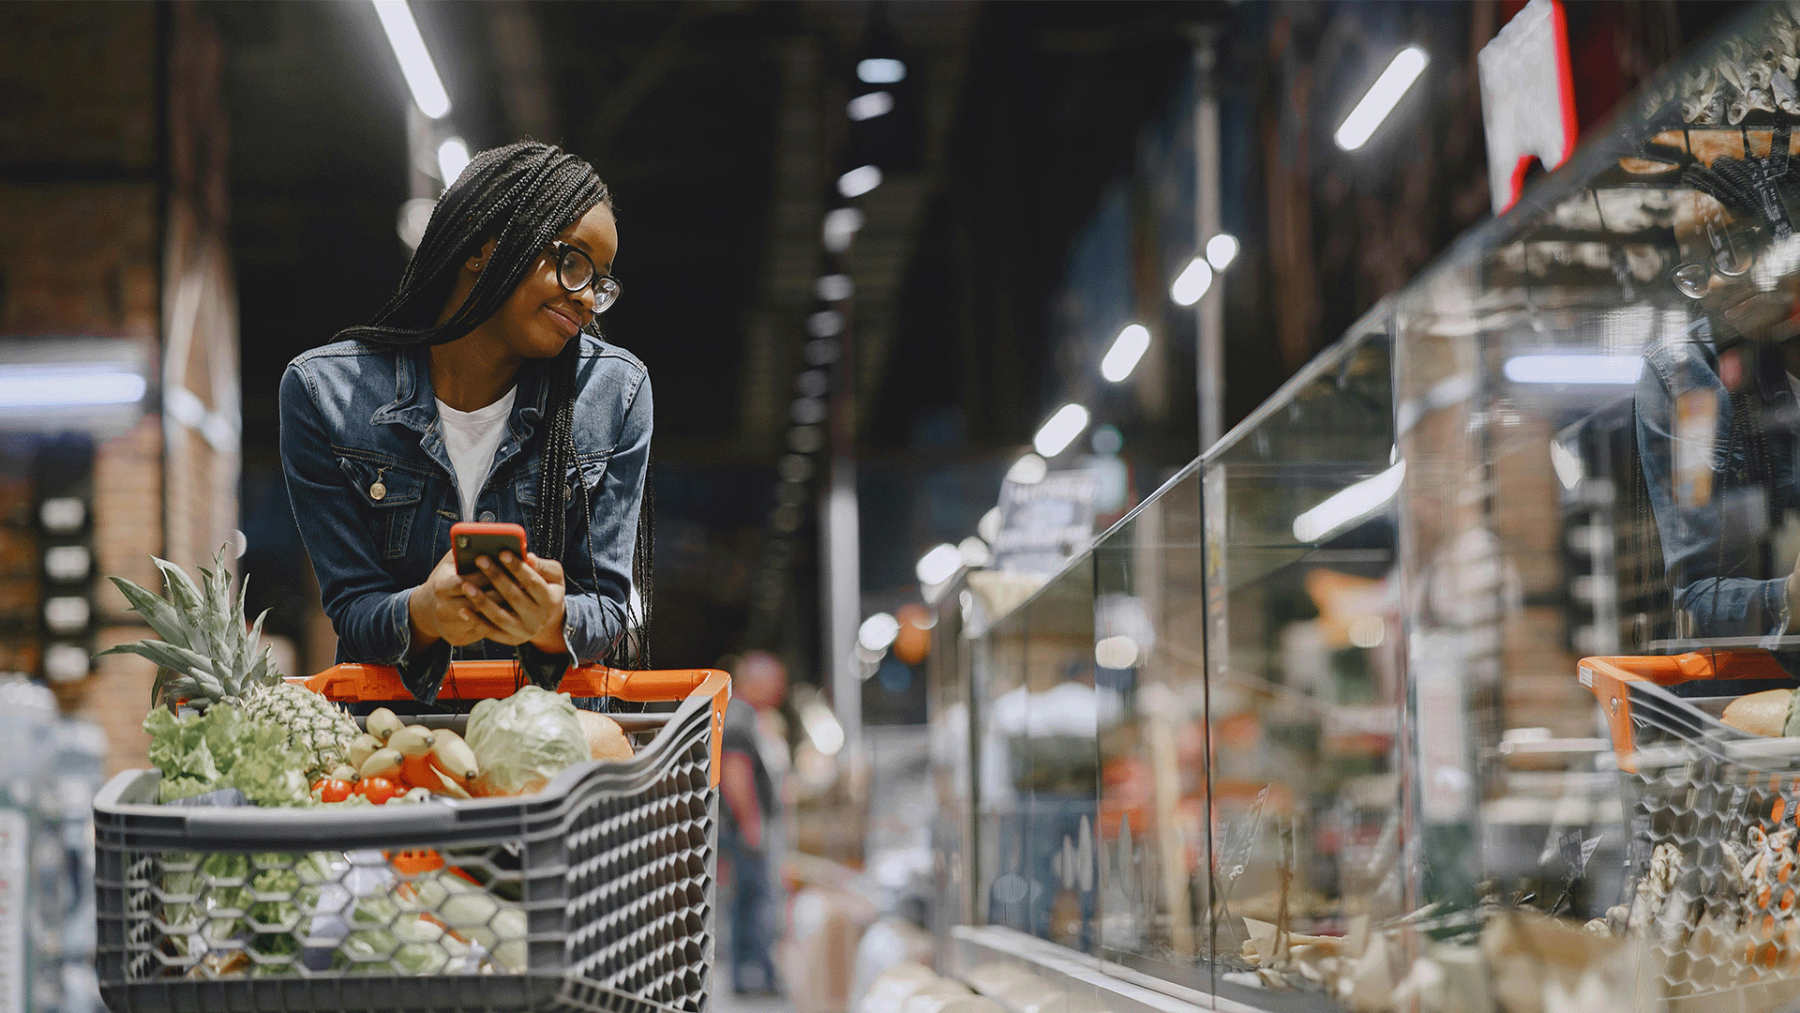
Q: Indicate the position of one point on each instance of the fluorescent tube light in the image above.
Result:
(1125, 352)
(1573, 368)
(1061, 430)
(1349, 505)
(1027, 470)
(878, 632)
(939, 565)
(1221, 250)
(453, 158)
(834, 288)
(415, 61)
(859, 181)
(880, 71)
(867, 107)
(67, 386)
(1381, 99)
(1192, 283)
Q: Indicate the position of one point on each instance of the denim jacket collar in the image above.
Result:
(414, 402)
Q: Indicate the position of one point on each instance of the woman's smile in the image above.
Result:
(565, 323)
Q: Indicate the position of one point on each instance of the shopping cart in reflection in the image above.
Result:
(1710, 811)
(596, 893)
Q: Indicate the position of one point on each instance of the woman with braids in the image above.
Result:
(481, 391)
(1718, 424)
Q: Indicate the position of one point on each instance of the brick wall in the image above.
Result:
(99, 159)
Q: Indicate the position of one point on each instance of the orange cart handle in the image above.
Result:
(483, 680)
(1609, 679)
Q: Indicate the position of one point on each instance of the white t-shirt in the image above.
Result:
(470, 438)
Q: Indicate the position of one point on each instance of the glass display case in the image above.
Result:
(1458, 675)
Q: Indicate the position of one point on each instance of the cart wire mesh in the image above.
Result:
(594, 894)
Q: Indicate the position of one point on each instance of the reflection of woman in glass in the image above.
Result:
(1716, 410)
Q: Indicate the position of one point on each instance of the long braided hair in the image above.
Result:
(522, 196)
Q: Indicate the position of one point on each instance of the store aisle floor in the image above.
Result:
(725, 1001)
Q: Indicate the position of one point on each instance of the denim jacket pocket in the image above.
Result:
(591, 466)
(391, 495)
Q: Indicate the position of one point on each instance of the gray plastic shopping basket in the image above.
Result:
(595, 894)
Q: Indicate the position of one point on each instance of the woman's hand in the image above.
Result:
(439, 609)
(523, 602)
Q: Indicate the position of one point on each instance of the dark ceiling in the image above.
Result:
(718, 126)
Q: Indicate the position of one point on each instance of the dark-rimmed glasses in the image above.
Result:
(575, 271)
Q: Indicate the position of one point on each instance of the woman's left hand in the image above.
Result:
(524, 602)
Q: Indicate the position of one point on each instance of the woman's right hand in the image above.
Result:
(440, 611)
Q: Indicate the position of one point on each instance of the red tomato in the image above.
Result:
(379, 789)
(333, 789)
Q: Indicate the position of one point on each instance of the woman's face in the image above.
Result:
(539, 318)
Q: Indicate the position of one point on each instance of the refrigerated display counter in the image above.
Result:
(1412, 692)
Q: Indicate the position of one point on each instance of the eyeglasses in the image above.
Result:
(575, 271)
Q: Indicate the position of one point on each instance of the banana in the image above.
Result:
(383, 762)
(413, 740)
(360, 748)
(383, 723)
(455, 756)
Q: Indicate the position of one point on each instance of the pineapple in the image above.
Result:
(208, 653)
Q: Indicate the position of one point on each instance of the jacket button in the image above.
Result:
(377, 492)
(487, 517)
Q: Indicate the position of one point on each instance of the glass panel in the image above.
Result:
(1039, 766)
(1598, 418)
(1305, 677)
(1154, 849)
(948, 673)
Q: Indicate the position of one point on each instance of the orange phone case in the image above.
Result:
(469, 539)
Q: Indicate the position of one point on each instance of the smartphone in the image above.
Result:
(469, 539)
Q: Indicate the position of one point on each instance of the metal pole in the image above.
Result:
(839, 531)
(843, 596)
(1209, 358)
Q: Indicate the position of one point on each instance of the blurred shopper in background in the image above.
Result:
(751, 835)
(481, 391)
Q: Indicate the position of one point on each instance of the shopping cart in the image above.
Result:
(1710, 812)
(593, 894)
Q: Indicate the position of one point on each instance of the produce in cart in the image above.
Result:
(523, 741)
(210, 654)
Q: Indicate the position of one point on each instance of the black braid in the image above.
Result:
(522, 196)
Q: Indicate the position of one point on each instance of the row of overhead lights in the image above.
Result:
(428, 95)
(1071, 420)
(822, 349)
(1191, 285)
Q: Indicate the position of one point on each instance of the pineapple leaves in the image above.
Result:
(162, 617)
(183, 594)
(207, 651)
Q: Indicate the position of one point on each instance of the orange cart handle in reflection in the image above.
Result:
(1610, 679)
(484, 680)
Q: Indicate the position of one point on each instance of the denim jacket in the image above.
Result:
(1717, 547)
(374, 496)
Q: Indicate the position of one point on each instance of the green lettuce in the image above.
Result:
(222, 748)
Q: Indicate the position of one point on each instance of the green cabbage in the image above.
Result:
(523, 741)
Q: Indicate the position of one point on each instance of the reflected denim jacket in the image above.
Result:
(1717, 547)
(374, 496)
